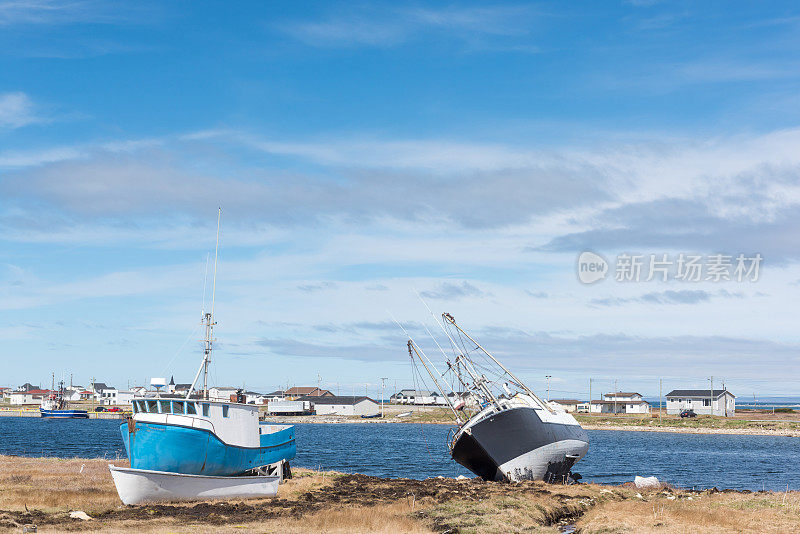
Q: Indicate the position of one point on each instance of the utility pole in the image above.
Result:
(615, 396)
(590, 396)
(548, 377)
(711, 404)
(725, 398)
(660, 398)
(383, 391)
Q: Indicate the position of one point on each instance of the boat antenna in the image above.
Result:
(208, 322)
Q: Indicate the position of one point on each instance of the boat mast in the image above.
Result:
(412, 349)
(208, 322)
(450, 319)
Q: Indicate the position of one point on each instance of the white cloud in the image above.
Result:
(53, 12)
(17, 110)
(498, 27)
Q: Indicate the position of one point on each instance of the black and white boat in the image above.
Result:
(504, 432)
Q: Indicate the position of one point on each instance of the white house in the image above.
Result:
(568, 405)
(343, 405)
(701, 401)
(33, 396)
(125, 397)
(251, 397)
(620, 402)
(417, 396)
(78, 394)
(221, 393)
(108, 395)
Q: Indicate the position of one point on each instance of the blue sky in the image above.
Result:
(360, 151)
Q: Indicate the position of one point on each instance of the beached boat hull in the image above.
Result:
(198, 451)
(515, 444)
(136, 486)
(64, 414)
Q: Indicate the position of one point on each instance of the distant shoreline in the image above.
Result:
(587, 426)
(699, 430)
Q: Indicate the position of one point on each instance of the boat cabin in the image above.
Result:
(233, 423)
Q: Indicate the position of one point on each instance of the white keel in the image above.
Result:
(136, 486)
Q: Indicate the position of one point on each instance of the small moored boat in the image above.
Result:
(55, 407)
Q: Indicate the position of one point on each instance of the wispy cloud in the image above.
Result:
(51, 12)
(17, 110)
(670, 296)
(381, 28)
(454, 291)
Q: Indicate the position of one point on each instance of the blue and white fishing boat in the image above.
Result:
(54, 406)
(196, 436)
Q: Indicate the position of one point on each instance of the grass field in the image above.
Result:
(43, 491)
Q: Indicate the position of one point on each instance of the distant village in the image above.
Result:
(302, 400)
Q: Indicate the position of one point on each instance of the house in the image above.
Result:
(307, 391)
(27, 386)
(333, 405)
(124, 397)
(182, 389)
(275, 395)
(221, 393)
(620, 402)
(32, 396)
(701, 401)
(252, 397)
(569, 405)
(78, 394)
(104, 393)
(417, 396)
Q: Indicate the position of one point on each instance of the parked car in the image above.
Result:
(99, 409)
(688, 413)
(114, 409)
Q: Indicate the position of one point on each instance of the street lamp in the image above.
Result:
(548, 377)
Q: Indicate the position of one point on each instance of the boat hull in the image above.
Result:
(136, 486)
(516, 444)
(64, 414)
(197, 451)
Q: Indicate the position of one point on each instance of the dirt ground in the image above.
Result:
(43, 492)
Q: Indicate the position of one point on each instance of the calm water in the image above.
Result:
(419, 451)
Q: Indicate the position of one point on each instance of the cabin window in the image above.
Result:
(152, 406)
(190, 408)
(164, 406)
(205, 410)
(135, 407)
(177, 407)
(141, 405)
(224, 411)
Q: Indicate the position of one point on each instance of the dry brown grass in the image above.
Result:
(705, 512)
(314, 501)
(56, 484)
